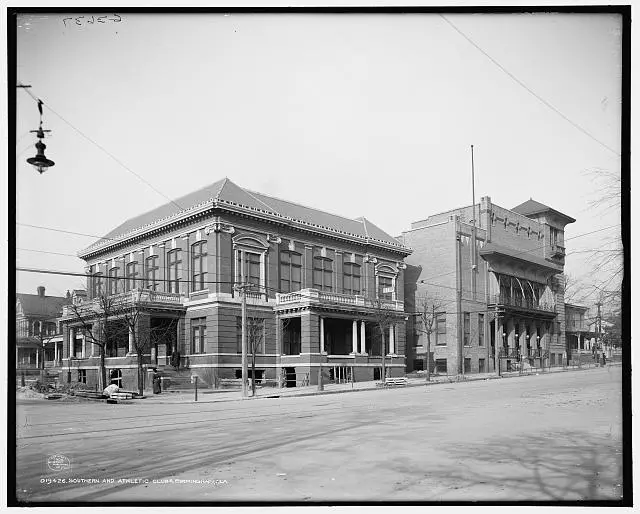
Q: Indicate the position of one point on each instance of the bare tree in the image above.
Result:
(94, 319)
(384, 318)
(142, 338)
(255, 341)
(428, 308)
(607, 258)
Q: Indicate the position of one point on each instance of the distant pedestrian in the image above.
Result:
(604, 359)
(157, 388)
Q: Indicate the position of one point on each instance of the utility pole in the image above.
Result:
(599, 326)
(459, 299)
(498, 336)
(241, 288)
(474, 261)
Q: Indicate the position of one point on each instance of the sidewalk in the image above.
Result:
(213, 395)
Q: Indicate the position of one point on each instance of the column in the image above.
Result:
(84, 345)
(72, 342)
(131, 338)
(37, 358)
(363, 347)
(322, 335)
(354, 336)
(511, 334)
(534, 339)
(55, 357)
(392, 342)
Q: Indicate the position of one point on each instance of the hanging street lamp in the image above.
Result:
(40, 161)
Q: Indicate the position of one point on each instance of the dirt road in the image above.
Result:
(548, 437)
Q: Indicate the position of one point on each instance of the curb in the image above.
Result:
(277, 396)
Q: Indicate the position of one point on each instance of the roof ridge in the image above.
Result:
(252, 195)
(224, 183)
(301, 205)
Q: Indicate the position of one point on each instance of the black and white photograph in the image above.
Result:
(321, 256)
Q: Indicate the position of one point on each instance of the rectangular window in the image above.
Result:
(480, 329)
(174, 268)
(199, 266)
(250, 269)
(441, 328)
(467, 365)
(323, 274)
(132, 275)
(113, 280)
(290, 271)
(385, 288)
(151, 273)
(77, 348)
(418, 364)
(481, 366)
(82, 376)
(351, 278)
(467, 328)
(198, 335)
(441, 366)
(98, 286)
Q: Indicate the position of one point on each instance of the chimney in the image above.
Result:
(41, 291)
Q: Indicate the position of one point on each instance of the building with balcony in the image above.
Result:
(493, 277)
(580, 329)
(317, 282)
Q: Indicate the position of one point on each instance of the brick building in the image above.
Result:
(508, 289)
(315, 279)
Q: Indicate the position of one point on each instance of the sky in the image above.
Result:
(357, 114)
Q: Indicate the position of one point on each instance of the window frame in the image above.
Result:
(481, 329)
(324, 273)
(113, 280)
(198, 337)
(131, 278)
(152, 283)
(290, 266)
(199, 256)
(441, 321)
(466, 330)
(174, 270)
(348, 270)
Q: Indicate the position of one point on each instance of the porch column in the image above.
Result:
(55, 354)
(84, 346)
(131, 349)
(321, 335)
(37, 358)
(533, 340)
(93, 348)
(511, 334)
(72, 342)
(363, 348)
(392, 342)
(354, 336)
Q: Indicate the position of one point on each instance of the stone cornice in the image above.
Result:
(210, 207)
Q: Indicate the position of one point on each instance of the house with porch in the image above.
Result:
(315, 284)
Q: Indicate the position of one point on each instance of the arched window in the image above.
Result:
(174, 269)
(199, 266)
(290, 271)
(323, 273)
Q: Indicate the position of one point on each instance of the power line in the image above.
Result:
(139, 177)
(523, 85)
(63, 231)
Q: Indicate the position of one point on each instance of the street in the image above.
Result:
(552, 437)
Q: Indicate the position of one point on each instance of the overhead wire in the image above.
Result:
(103, 149)
(528, 89)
